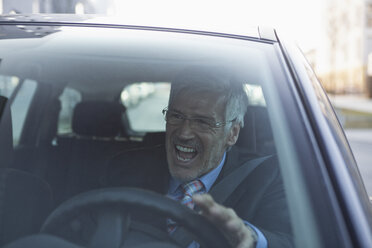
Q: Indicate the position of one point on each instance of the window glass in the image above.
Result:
(144, 102)
(7, 85)
(69, 98)
(20, 108)
(255, 95)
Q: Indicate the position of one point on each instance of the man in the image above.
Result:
(204, 115)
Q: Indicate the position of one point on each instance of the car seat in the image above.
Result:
(99, 133)
(256, 136)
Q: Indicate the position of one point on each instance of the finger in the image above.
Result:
(213, 210)
(247, 243)
(208, 206)
(204, 201)
(235, 224)
(226, 220)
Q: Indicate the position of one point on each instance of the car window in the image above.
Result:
(68, 99)
(8, 85)
(20, 108)
(143, 102)
(255, 95)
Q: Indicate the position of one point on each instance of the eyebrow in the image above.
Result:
(195, 116)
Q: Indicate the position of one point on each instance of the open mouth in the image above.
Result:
(184, 153)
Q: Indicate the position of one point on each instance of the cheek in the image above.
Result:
(214, 147)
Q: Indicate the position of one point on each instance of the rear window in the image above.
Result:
(144, 102)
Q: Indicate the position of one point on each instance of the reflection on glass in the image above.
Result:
(7, 85)
(79, 8)
(255, 95)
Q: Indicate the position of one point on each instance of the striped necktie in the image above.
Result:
(189, 189)
(185, 198)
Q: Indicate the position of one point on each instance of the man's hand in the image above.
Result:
(239, 235)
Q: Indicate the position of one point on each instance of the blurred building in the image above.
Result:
(55, 6)
(342, 63)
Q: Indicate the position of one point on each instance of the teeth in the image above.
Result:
(185, 149)
(183, 159)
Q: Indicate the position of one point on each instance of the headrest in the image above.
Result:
(98, 118)
(257, 135)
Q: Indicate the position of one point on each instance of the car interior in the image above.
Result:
(66, 119)
(57, 167)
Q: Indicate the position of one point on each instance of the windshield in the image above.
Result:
(139, 109)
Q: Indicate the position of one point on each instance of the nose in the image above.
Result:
(185, 131)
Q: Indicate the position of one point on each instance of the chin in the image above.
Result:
(182, 175)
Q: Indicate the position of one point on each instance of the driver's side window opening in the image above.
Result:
(20, 108)
(255, 95)
(69, 98)
(144, 102)
(8, 85)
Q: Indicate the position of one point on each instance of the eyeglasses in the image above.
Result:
(196, 123)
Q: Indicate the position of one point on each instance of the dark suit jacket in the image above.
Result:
(259, 199)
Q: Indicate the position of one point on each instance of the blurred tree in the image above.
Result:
(339, 24)
(332, 32)
(344, 29)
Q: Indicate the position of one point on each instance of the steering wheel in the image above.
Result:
(113, 209)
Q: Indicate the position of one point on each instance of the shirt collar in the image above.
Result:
(207, 179)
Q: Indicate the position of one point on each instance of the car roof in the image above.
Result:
(213, 28)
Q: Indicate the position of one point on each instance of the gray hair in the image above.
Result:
(214, 79)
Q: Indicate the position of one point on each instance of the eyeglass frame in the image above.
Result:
(217, 124)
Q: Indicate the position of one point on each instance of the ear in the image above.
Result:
(233, 134)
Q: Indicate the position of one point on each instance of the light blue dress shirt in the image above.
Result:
(208, 180)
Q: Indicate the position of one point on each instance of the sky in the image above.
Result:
(300, 20)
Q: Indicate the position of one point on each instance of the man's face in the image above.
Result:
(192, 153)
